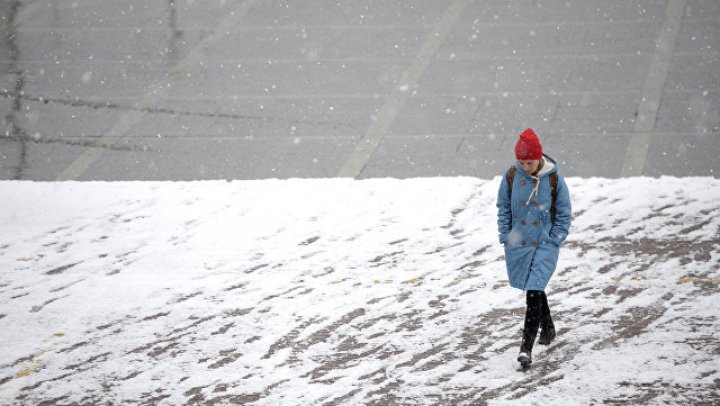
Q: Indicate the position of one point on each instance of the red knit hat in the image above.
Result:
(528, 147)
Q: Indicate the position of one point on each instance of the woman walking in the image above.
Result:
(534, 214)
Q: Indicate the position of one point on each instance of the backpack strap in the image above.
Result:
(511, 177)
(553, 187)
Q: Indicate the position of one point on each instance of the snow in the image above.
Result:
(345, 292)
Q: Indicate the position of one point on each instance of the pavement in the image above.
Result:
(258, 89)
(421, 312)
(220, 293)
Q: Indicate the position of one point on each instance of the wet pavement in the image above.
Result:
(185, 90)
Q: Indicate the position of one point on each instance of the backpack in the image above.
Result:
(553, 186)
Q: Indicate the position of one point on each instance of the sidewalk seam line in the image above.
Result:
(639, 143)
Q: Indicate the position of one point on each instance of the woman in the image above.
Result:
(534, 214)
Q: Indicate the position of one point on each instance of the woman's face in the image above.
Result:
(531, 166)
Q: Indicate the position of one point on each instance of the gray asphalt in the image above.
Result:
(223, 89)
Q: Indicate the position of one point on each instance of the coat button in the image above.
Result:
(523, 222)
(534, 203)
(522, 242)
(522, 182)
(534, 244)
(535, 223)
(523, 203)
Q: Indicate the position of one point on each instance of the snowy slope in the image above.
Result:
(346, 292)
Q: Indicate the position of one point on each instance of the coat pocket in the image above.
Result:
(546, 239)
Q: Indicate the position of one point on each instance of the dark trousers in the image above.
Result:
(536, 313)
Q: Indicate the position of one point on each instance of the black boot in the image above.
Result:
(525, 356)
(530, 329)
(547, 334)
(547, 327)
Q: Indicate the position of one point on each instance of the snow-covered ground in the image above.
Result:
(345, 292)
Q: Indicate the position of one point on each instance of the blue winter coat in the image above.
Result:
(532, 241)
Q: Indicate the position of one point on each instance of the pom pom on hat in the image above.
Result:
(528, 147)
